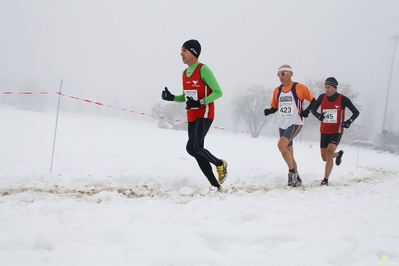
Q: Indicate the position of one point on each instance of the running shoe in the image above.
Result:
(299, 182)
(222, 171)
(324, 182)
(292, 179)
(338, 160)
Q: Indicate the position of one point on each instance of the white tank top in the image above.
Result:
(288, 110)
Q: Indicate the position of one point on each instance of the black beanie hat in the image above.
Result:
(332, 82)
(193, 46)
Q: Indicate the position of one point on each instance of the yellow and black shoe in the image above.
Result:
(222, 172)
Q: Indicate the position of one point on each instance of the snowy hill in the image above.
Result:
(124, 192)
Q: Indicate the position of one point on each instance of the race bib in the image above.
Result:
(330, 116)
(286, 109)
(191, 93)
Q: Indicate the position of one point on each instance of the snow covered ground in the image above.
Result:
(124, 192)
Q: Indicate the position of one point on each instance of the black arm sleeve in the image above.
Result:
(317, 105)
(311, 105)
(346, 102)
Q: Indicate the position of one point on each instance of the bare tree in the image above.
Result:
(249, 108)
(317, 87)
(170, 115)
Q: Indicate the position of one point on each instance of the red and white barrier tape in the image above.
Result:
(132, 111)
(119, 108)
(30, 92)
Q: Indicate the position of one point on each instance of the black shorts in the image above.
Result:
(326, 139)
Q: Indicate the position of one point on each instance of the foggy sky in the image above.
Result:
(129, 50)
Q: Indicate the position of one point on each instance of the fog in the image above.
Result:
(126, 52)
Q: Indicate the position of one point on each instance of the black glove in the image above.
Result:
(320, 116)
(347, 123)
(166, 95)
(268, 111)
(305, 113)
(191, 103)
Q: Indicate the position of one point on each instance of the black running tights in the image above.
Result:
(195, 147)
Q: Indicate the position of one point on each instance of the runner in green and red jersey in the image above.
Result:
(200, 90)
